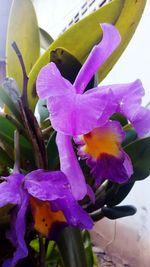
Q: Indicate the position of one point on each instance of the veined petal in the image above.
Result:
(129, 98)
(99, 54)
(51, 83)
(46, 186)
(141, 121)
(104, 154)
(9, 190)
(115, 169)
(76, 114)
(70, 166)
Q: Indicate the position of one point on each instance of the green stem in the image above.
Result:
(71, 247)
(42, 251)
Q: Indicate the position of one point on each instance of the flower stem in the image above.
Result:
(42, 251)
(17, 152)
(24, 96)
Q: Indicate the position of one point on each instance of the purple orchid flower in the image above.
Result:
(86, 116)
(51, 201)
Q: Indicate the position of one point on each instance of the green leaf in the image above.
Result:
(81, 37)
(131, 136)
(52, 152)
(43, 114)
(7, 139)
(35, 244)
(5, 160)
(118, 212)
(117, 193)
(45, 39)
(71, 247)
(23, 30)
(88, 248)
(9, 94)
(119, 117)
(139, 152)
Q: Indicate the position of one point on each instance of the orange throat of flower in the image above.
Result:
(101, 141)
(44, 217)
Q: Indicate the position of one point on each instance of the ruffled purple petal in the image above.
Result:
(74, 213)
(99, 54)
(141, 121)
(51, 83)
(129, 98)
(47, 186)
(76, 114)
(115, 169)
(9, 190)
(17, 232)
(70, 166)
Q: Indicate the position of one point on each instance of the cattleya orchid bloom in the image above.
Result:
(85, 116)
(52, 204)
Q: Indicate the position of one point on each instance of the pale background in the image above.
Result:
(53, 16)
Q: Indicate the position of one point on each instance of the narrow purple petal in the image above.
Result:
(9, 190)
(99, 54)
(51, 83)
(70, 166)
(76, 114)
(47, 186)
(17, 232)
(20, 228)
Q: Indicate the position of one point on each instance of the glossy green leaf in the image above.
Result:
(81, 37)
(43, 114)
(119, 117)
(52, 152)
(117, 193)
(71, 247)
(131, 136)
(139, 152)
(23, 30)
(45, 39)
(118, 212)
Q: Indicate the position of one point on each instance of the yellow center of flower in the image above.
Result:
(101, 141)
(44, 217)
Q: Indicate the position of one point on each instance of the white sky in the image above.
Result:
(134, 63)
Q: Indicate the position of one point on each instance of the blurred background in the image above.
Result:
(128, 239)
